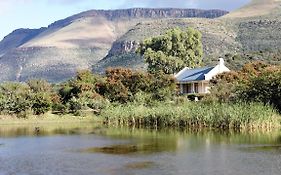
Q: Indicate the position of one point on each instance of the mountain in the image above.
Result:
(78, 42)
(17, 38)
(98, 39)
(252, 32)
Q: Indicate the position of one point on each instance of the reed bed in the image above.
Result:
(196, 115)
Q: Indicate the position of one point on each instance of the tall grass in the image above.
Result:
(190, 114)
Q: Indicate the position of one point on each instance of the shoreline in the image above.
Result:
(224, 117)
(46, 119)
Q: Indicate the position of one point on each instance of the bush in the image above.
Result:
(15, 98)
(122, 85)
(59, 108)
(41, 103)
(76, 105)
(265, 88)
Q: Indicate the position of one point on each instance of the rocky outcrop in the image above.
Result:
(156, 13)
(121, 47)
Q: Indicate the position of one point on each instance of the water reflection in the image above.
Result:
(139, 165)
(89, 149)
(261, 148)
(47, 130)
(141, 148)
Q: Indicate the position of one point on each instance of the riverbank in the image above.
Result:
(47, 118)
(222, 116)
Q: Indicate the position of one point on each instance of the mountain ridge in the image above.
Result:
(97, 39)
(77, 42)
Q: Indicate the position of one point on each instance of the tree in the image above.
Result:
(40, 96)
(80, 94)
(256, 81)
(15, 98)
(265, 88)
(173, 51)
(123, 85)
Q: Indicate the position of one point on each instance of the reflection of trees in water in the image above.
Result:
(45, 130)
(161, 139)
(233, 137)
(193, 139)
(138, 148)
(279, 139)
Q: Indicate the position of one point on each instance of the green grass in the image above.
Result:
(46, 119)
(194, 115)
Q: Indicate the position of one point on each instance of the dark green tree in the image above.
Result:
(173, 51)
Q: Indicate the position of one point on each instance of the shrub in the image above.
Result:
(265, 88)
(122, 85)
(41, 103)
(15, 97)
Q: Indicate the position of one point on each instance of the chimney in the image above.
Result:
(221, 65)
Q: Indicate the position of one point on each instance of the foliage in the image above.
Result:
(38, 86)
(190, 114)
(41, 92)
(173, 51)
(264, 88)
(80, 94)
(238, 99)
(122, 85)
(41, 103)
(14, 98)
(227, 86)
(84, 81)
(255, 82)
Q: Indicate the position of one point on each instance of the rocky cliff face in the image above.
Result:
(122, 47)
(157, 13)
(143, 13)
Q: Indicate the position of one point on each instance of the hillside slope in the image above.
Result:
(78, 42)
(255, 28)
(214, 33)
(257, 8)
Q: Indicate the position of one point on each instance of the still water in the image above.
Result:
(86, 149)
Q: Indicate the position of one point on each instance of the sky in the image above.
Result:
(16, 14)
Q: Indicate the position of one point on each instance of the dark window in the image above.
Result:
(189, 87)
(196, 87)
(184, 86)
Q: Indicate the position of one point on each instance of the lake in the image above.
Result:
(88, 149)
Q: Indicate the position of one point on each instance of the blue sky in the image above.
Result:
(40, 13)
